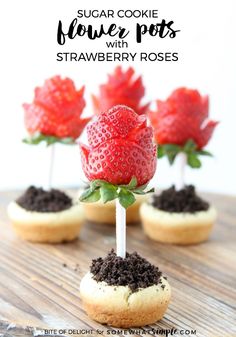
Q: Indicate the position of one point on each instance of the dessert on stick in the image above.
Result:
(121, 289)
(53, 117)
(120, 148)
(122, 88)
(182, 129)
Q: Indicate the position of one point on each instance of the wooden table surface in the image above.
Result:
(37, 291)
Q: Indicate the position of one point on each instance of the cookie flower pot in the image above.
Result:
(53, 117)
(181, 129)
(45, 216)
(121, 289)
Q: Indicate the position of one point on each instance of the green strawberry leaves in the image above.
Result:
(38, 137)
(169, 150)
(189, 148)
(108, 193)
(91, 196)
(193, 160)
(126, 198)
(101, 189)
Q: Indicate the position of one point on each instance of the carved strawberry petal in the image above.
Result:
(56, 109)
(181, 117)
(121, 147)
(121, 89)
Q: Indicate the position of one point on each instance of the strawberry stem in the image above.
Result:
(120, 230)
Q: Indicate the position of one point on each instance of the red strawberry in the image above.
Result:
(120, 147)
(183, 116)
(56, 109)
(121, 88)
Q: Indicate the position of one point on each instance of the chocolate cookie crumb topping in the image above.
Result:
(38, 200)
(181, 201)
(133, 271)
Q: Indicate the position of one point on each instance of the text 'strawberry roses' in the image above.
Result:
(120, 148)
(183, 116)
(122, 88)
(56, 109)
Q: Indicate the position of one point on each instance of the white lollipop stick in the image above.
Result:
(181, 161)
(51, 165)
(120, 230)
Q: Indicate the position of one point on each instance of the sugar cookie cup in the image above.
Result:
(124, 292)
(177, 228)
(49, 227)
(119, 307)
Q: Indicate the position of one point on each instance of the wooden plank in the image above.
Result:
(36, 290)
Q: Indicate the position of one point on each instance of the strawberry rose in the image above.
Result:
(121, 88)
(183, 117)
(120, 148)
(56, 109)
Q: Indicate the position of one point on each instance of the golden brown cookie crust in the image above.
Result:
(126, 318)
(46, 227)
(119, 307)
(177, 228)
